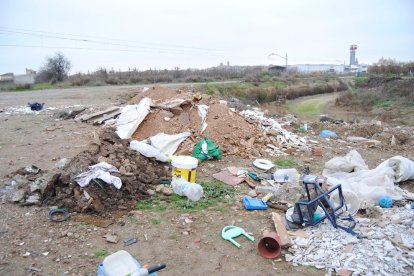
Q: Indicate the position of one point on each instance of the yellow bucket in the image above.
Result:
(185, 167)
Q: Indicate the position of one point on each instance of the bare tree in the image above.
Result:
(55, 69)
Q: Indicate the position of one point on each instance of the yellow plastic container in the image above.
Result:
(185, 167)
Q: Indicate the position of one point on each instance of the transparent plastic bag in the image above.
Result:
(192, 191)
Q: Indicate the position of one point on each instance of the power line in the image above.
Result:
(84, 38)
(116, 50)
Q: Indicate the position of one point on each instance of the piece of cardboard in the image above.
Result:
(226, 177)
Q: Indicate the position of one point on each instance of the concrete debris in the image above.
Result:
(100, 116)
(284, 137)
(111, 238)
(383, 249)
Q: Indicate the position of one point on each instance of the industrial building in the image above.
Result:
(354, 67)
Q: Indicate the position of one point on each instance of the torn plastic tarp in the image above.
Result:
(101, 171)
(353, 174)
(131, 117)
(202, 110)
(159, 146)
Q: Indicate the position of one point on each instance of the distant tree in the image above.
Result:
(55, 69)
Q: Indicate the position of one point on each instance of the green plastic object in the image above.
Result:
(208, 151)
(253, 176)
(230, 232)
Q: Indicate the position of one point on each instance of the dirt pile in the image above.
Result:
(138, 175)
(230, 131)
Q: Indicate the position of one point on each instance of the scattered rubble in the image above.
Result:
(385, 248)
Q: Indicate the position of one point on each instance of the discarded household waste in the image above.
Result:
(286, 175)
(254, 204)
(263, 164)
(328, 133)
(385, 201)
(230, 232)
(184, 167)
(192, 191)
(202, 110)
(304, 210)
(159, 146)
(353, 174)
(36, 106)
(205, 149)
(269, 245)
(101, 171)
(122, 263)
(131, 117)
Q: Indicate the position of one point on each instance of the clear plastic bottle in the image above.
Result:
(267, 189)
(286, 175)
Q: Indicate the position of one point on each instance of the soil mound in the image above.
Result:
(225, 127)
(138, 174)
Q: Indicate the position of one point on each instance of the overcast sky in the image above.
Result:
(198, 34)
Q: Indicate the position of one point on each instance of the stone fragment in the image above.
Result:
(159, 188)
(344, 272)
(184, 118)
(317, 151)
(18, 195)
(111, 238)
(167, 191)
(33, 199)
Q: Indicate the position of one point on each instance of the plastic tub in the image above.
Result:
(185, 167)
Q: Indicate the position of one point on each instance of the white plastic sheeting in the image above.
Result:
(353, 174)
(159, 146)
(131, 117)
(101, 171)
(202, 110)
(148, 150)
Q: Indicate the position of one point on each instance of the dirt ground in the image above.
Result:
(193, 247)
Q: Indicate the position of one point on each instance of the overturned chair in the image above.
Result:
(306, 213)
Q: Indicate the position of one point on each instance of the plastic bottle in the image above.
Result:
(267, 197)
(267, 189)
(184, 188)
(286, 175)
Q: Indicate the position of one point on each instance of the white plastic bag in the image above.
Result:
(148, 150)
(369, 185)
(202, 110)
(159, 146)
(101, 171)
(181, 187)
(166, 143)
(403, 168)
(351, 162)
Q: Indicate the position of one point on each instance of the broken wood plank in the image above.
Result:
(281, 230)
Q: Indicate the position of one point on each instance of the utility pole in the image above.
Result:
(285, 58)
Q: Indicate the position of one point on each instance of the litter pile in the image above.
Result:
(385, 248)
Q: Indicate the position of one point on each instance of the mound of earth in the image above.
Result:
(226, 128)
(138, 175)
